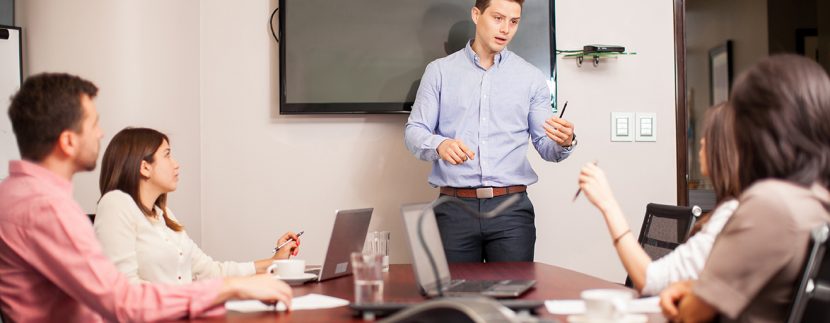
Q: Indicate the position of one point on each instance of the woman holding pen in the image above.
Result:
(136, 229)
(718, 161)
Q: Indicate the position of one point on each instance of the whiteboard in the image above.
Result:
(10, 78)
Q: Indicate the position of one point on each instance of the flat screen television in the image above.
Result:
(367, 56)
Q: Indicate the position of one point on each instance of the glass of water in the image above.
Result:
(377, 242)
(368, 277)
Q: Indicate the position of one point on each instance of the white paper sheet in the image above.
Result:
(567, 307)
(645, 305)
(307, 302)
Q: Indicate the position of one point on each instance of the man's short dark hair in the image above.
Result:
(483, 4)
(46, 105)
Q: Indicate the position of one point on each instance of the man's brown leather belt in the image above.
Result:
(482, 192)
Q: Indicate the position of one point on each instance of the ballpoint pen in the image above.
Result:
(287, 241)
(580, 188)
(561, 113)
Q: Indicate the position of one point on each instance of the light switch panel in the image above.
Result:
(646, 126)
(622, 126)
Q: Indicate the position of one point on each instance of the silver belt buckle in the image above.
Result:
(484, 193)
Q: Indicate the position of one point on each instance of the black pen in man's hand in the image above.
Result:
(563, 110)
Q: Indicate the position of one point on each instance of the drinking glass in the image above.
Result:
(368, 277)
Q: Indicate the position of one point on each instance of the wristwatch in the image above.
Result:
(573, 144)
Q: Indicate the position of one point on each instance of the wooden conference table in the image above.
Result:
(552, 282)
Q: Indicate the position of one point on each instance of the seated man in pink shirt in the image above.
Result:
(51, 265)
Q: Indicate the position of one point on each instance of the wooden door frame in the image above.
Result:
(681, 113)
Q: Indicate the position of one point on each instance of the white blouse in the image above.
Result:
(687, 260)
(146, 250)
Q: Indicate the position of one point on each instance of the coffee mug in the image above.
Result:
(606, 304)
(287, 268)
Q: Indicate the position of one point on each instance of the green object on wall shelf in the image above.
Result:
(580, 55)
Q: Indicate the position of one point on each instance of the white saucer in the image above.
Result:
(297, 280)
(628, 318)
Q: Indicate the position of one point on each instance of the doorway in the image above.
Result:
(715, 41)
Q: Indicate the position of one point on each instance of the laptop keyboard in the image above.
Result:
(463, 286)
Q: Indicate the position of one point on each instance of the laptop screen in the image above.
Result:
(347, 236)
(420, 263)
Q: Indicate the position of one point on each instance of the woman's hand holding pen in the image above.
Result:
(592, 181)
(288, 245)
(594, 184)
(290, 249)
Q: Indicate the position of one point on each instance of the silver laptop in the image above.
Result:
(347, 235)
(424, 274)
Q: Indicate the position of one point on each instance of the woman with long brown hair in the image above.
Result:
(781, 108)
(137, 230)
(719, 162)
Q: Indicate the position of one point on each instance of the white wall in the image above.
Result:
(264, 173)
(144, 57)
(206, 72)
(573, 234)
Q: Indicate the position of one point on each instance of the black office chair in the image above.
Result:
(811, 301)
(664, 228)
(91, 217)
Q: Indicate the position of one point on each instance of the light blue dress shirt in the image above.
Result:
(494, 111)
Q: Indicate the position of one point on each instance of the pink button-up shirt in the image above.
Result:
(52, 267)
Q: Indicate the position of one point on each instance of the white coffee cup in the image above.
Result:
(606, 304)
(287, 268)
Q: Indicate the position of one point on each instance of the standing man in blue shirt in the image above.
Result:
(474, 114)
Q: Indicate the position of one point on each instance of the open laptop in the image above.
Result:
(347, 235)
(452, 287)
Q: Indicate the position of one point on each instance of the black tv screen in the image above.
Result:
(367, 56)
